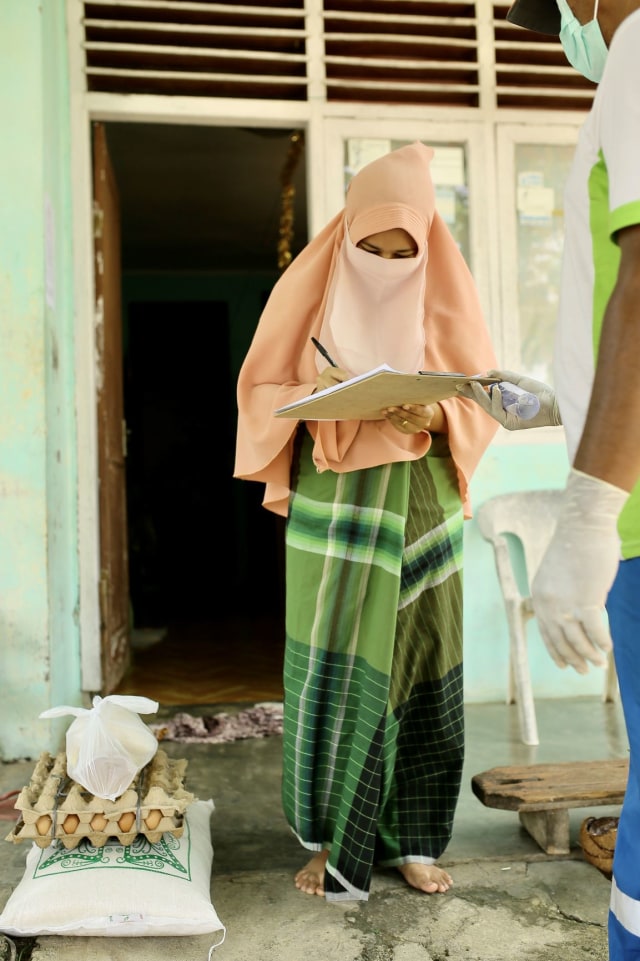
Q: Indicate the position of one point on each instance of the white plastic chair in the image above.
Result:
(531, 517)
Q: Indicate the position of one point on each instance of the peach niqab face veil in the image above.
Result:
(374, 312)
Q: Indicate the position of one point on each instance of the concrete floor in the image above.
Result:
(510, 900)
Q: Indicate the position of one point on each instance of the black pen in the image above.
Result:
(319, 347)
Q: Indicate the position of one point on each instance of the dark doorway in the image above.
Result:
(200, 211)
(180, 430)
(185, 512)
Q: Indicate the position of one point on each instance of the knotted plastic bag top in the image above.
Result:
(108, 744)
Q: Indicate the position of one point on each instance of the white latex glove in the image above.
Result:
(491, 401)
(570, 588)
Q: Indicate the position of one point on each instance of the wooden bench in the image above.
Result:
(542, 794)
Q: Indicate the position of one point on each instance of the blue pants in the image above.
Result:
(624, 620)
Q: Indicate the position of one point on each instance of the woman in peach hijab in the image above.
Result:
(373, 732)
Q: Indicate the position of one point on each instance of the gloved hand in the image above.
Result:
(491, 401)
(570, 589)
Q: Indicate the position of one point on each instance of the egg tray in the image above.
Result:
(53, 807)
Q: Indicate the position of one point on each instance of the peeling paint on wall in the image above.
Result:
(99, 341)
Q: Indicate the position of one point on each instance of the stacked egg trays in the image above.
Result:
(53, 807)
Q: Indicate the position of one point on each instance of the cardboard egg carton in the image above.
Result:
(53, 807)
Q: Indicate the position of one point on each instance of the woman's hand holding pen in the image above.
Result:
(331, 376)
(415, 418)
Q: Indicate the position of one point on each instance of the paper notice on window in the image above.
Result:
(535, 202)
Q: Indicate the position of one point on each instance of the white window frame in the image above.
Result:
(508, 138)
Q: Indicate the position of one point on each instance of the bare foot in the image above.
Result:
(426, 877)
(311, 878)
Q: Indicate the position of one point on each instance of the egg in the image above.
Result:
(99, 822)
(43, 824)
(153, 819)
(71, 823)
(126, 821)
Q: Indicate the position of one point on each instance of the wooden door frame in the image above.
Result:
(115, 625)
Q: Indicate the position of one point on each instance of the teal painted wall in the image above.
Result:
(39, 645)
(61, 447)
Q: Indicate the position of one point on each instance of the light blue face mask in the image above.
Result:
(582, 43)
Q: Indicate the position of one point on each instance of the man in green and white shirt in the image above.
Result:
(593, 560)
(602, 198)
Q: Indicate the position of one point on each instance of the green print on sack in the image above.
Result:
(169, 856)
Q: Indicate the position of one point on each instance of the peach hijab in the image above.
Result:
(434, 321)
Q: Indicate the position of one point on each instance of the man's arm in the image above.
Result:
(570, 589)
(569, 592)
(610, 444)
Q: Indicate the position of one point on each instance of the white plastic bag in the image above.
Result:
(108, 744)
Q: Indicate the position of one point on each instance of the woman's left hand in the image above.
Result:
(414, 418)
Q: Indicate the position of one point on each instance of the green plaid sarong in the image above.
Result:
(373, 710)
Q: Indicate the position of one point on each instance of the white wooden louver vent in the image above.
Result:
(402, 51)
(424, 52)
(194, 48)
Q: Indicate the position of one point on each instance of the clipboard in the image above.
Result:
(364, 397)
